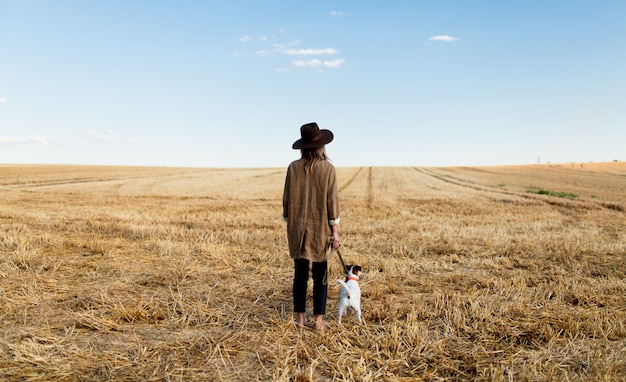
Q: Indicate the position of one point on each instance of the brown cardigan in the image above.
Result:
(310, 206)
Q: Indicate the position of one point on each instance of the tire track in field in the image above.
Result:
(480, 187)
(369, 190)
(84, 180)
(368, 194)
(477, 186)
(569, 203)
(351, 180)
(457, 181)
(65, 182)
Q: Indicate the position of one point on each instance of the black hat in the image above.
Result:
(312, 137)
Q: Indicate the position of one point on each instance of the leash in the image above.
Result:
(329, 248)
(345, 269)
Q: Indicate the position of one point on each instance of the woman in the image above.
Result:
(311, 209)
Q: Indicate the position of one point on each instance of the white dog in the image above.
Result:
(350, 293)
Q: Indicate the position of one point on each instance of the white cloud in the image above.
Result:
(292, 48)
(336, 13)
(34, 138)
(3, 100)
(308, 63)
(106, 136)
(315, 63)
(92, 136)
(281, 47)
(89, 137)
(247, 38)
(334, 63)
(444, 38)
(308, 52)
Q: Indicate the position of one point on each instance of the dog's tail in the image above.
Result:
(343, 283)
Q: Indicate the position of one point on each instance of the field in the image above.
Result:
(162, 274)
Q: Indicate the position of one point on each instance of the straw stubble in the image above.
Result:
(183, 274)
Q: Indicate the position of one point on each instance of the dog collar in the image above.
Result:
(355, 278)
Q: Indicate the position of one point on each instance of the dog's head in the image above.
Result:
(354, 270)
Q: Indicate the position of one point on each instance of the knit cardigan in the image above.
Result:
(310, 207)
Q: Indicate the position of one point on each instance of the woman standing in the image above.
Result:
(311, 209)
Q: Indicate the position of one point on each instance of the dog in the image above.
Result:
(350, 293)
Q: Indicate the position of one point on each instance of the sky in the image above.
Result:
(228, 83)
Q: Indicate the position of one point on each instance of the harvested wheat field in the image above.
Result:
(162, 274)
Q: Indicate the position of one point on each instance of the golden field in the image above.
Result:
(511, 273)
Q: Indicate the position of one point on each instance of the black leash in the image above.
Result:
(345, 269)
(329, 248)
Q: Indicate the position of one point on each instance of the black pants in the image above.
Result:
(320, 285)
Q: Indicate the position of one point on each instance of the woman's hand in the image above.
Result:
(336, 240)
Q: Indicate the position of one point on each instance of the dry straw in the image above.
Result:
(183, 274)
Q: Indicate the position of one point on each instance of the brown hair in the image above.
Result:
(312, 157)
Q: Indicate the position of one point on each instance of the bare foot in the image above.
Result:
(300, 320)
(320, 325)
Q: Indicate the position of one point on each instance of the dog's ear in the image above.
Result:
(356, 269)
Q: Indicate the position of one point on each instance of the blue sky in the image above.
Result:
(228, 83)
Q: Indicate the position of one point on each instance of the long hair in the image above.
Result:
(312, 157)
